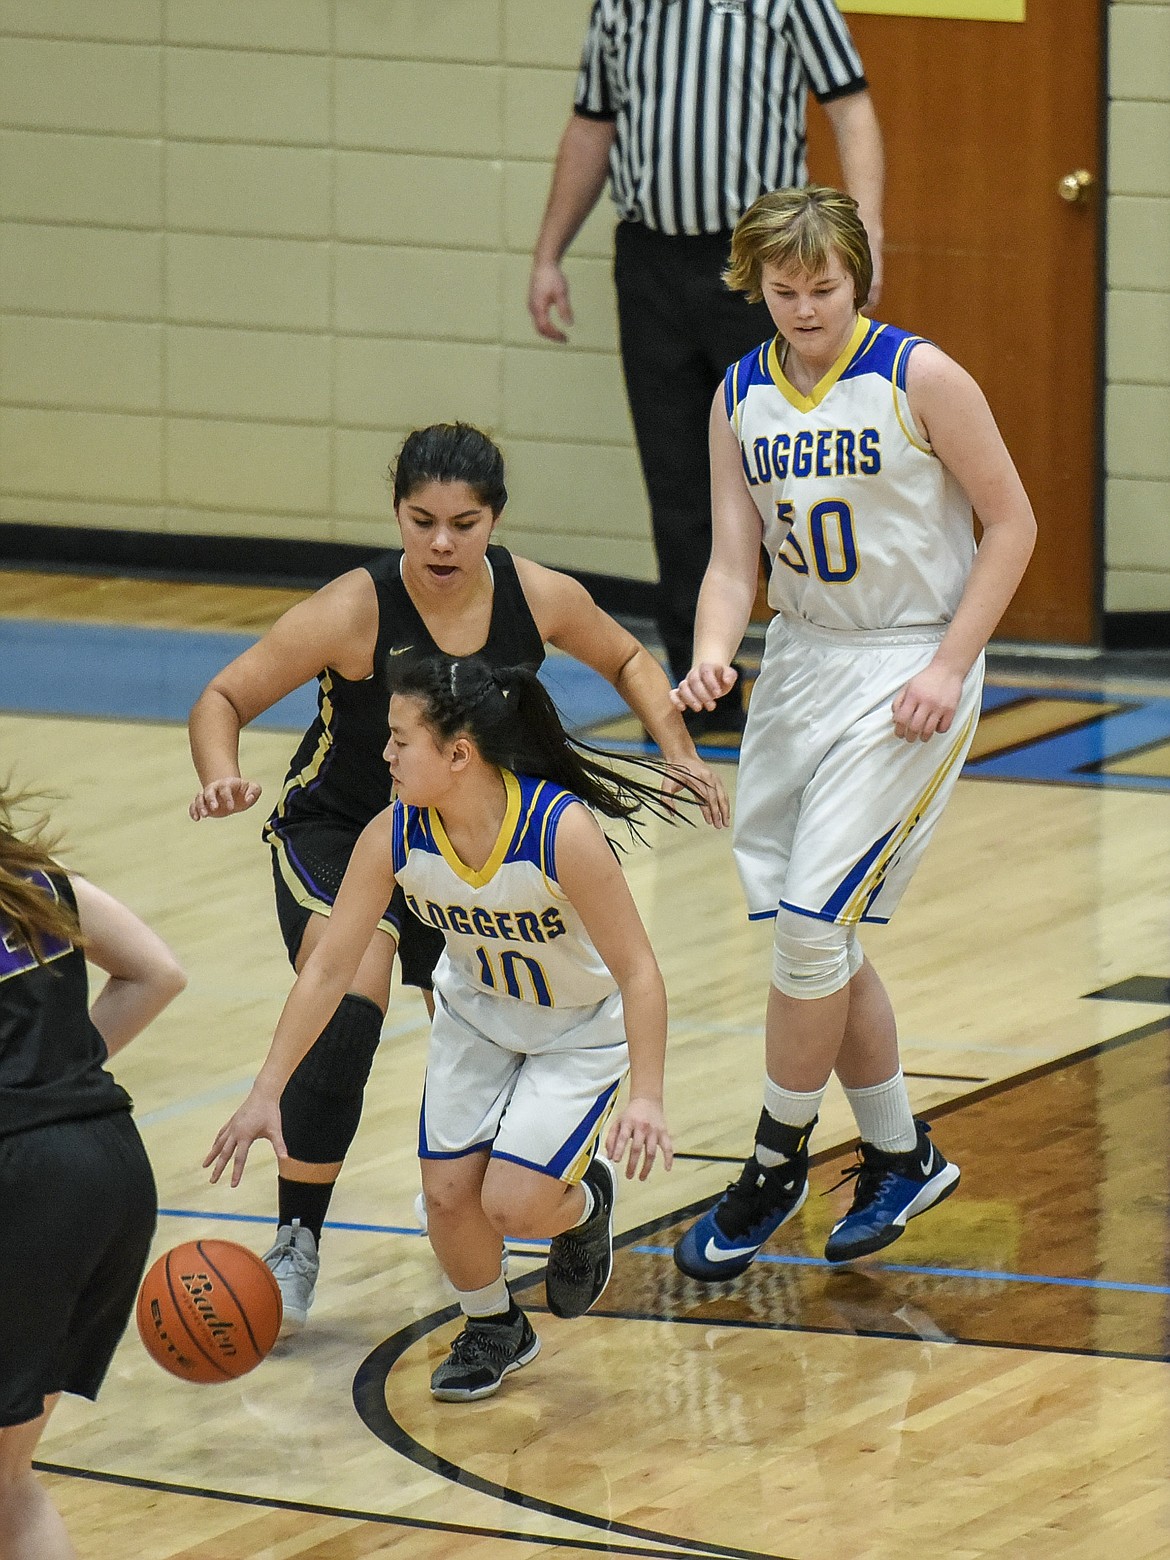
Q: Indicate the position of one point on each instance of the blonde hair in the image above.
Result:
(27, 910)
(799, 230)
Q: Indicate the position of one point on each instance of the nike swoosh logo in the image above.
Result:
(714, 1253)
(927, 1164)
(401, 650)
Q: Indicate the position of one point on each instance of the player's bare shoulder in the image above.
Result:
(340, 622)
(937, 386)
(553, 598)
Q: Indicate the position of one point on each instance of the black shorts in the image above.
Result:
(79, 1212)
(309, 859)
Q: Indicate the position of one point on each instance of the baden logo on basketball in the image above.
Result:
(209, 1311)
(200, 1288)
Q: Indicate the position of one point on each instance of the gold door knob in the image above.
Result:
(1075, 186)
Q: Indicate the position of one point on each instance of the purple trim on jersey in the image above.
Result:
(302, 871)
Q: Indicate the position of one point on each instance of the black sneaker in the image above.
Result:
(581, 1260)
(891, 1190)
(482, 1355)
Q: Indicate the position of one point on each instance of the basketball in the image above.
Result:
(209, 1311)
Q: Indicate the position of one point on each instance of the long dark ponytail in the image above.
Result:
(514, 724)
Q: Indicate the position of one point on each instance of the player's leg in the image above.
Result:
(80, 1208)
(548, 1177)
(322, 1103)
(900, 1173)
(808, 1007)
(864, 829)
(468, 1084)
(30, 1525)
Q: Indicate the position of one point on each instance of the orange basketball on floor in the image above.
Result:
(209, 1310)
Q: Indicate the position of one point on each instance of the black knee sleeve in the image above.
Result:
(322, 1101)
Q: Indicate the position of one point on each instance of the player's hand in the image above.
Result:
(257, 1117)
(548, 289)
(703, 685)
(641, 1128)
(706, 787)
(223, 797)
(927, 704)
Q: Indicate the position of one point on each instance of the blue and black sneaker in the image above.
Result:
(891, 1189)
(724, 1241)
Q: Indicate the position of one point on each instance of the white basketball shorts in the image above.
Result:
(533, 1085)
(833, 811)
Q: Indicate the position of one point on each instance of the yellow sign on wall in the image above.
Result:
(957, 10)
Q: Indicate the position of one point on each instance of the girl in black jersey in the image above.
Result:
(448, 591)
(75, 1184)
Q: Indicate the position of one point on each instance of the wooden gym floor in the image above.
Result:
(996, 1386)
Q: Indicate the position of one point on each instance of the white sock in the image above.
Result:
(790, 1110)
(492, 1300)
(883, 1115)
(590, 1206)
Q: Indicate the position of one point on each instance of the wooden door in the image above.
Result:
(981, 121)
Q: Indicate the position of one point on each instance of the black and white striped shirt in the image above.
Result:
(709, 100)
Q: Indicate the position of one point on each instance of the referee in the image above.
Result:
(693, 108)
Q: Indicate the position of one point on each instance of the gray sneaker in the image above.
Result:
(482, 1355)
(295, 1264)
(581, 1260)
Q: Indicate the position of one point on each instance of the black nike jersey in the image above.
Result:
(338, 768)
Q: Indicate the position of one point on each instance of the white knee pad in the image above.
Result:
(813, 958)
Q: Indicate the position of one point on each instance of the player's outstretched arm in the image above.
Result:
(144, 974)
(570, 619)
(337, 627)
(728, 591)
(597, 889)
(952, 411)
(361, 902)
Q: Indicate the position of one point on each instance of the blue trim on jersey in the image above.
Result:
(398, 827)
(904, 359)
(458, 1153)
(878, 353)
(751, 369)
(844, 891)
(571, 1149)
(552, 817)
(822, 915)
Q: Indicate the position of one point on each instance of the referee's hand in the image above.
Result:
(548, 289)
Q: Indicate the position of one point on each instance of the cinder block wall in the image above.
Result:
(245, 247)
(1137, 438)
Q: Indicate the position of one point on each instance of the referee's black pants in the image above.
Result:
(680, 330)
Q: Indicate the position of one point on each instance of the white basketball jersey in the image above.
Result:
(865, 527)
(509, 928)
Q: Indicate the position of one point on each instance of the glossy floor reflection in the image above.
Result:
(1058, 1237)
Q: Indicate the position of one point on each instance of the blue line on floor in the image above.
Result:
(976, 1274)
(538, 1247)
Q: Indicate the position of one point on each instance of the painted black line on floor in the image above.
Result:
(937, 1077)
(343, 1513)
(369, 1398)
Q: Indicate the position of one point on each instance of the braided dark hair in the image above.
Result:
(514, 724)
